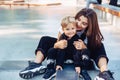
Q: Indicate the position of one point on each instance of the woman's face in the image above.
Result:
(70, 30)
(82, 23)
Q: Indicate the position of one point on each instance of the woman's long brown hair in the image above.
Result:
(92, 31)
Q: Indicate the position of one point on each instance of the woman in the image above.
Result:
(87, 28)
(88, 2)
(56, 57)
(113, 2)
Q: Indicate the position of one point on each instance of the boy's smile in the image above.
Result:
(70, 30)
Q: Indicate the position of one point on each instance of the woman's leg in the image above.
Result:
(102, 64)
(44, 45)
(39, 57)
(104, 74)
(35, 68)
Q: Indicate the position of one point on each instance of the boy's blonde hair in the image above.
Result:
(66, 20)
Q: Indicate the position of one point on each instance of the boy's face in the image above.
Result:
(70, 30)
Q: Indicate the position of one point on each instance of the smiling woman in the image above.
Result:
(83, 21)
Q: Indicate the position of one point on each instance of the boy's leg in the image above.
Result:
(60, 57)
(82, 61)
(50, 72)
(51, 58)
(85, 74)
(53, 54)
(35, 68)
(85, 63)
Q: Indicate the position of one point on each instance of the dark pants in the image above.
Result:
(58, 56)
(113, 2)
(45, 44)
(82, 58)
(99, 1)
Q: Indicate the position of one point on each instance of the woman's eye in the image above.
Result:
(85, 23)
(79, 19)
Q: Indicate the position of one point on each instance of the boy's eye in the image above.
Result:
(67, 29)
(73, 28)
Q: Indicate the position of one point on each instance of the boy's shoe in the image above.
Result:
(105, 75)
(85, 75)
(32, 70)
(49, 74)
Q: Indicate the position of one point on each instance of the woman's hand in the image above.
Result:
(58, 67)
(61, 44)
(78, 70)
(79, 44)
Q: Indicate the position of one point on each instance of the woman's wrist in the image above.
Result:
(84, 46)
(55, 46)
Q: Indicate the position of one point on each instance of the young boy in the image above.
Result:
(80, 57)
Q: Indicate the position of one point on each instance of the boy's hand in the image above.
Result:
(58, 67)
(78, 69)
